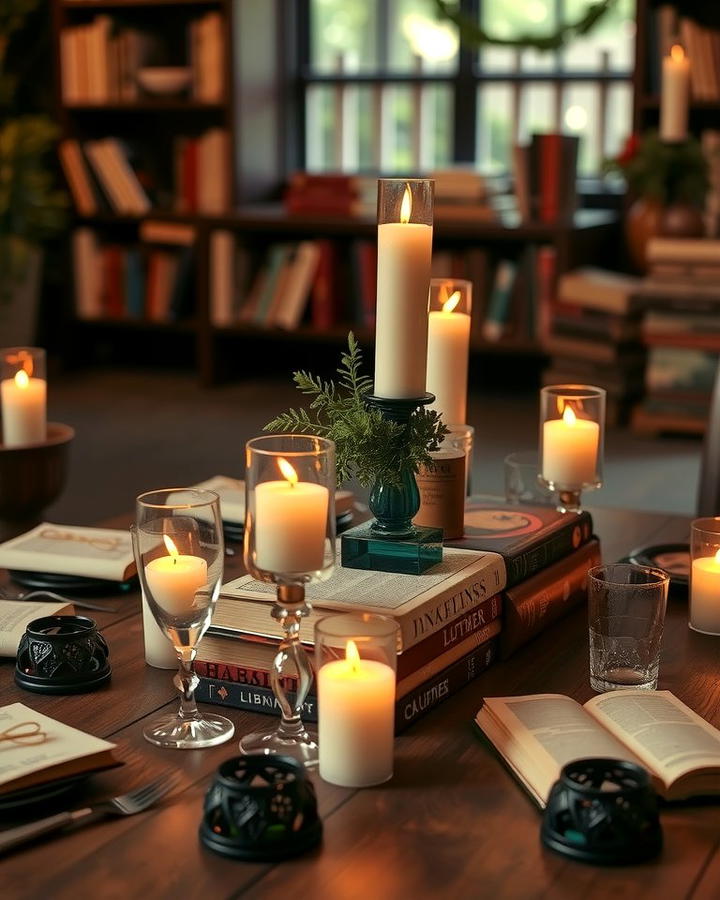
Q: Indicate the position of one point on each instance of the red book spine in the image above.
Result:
(367, 251)
(545, 262)
(550, 176)
(114, 288)
(322, 300)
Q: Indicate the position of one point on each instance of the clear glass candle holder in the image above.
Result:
(462, 437)
(23, 396)
(356, 660)
(572, 434)
(179, 552)
(449, 347)
(705, 575)
(289, 542)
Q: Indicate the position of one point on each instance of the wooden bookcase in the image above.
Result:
(256, 109)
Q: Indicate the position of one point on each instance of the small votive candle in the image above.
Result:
(705, 575)
(356, 658)
(449, 347)
(23, 396)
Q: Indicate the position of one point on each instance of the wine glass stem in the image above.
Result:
(291, 658)
(186, 681)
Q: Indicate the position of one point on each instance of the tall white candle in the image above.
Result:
(159, 650)
(174, 580)
(290, 523)
(403, 284)
(447, 361)
(570, 450)
(23, 409)
(674, 95)
(705, 594)
(356, 720)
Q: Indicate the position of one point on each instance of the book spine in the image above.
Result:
(534, 559)
(242, 696)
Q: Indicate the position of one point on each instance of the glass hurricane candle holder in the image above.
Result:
(356, 660)
(449, 347)
(572, 433)
(23, 396)
(289, 542)
(705, 575)
(179, 553)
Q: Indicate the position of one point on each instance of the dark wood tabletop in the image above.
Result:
(451, 823)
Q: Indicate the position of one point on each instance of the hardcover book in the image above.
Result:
(529, 538)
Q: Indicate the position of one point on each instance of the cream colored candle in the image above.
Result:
(403, 285)
(290, 523)
(23, 409)
(174, 580)
(447, 361)
(674, 95)
(705, 594)
(570, 450)
(356, 721)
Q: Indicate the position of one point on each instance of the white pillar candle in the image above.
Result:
(159, 650)
(23, 409)
(447, 361)
(356, 720)
(705, 594)
(290, 523)
(570, 449)
(674, 95)
(403, 285)
(174, 580)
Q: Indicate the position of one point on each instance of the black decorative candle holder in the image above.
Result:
(603, 811)
(260, 808)
(390, 542)
(62, 655)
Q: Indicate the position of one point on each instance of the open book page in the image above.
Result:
(15, 616)
(231, 492)
(63, 750)
(104, 553)
(667, 736)
(537, 735)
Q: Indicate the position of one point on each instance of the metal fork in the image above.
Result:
(129, 804)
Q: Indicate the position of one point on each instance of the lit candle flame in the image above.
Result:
(21, 379)
(406, 206)
(677, 52)
(287, 471)
(171, 548)
(569, 417)
(352, 655)
(451, 303)
(717, 557)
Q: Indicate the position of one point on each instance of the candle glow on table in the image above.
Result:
(570, 450)
(356, 721)
(175, 579)
(674, 95)
(447, 360)
(23, 408)
(403, 283)
(290, 523)
(705, 594)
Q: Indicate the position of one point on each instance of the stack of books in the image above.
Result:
(545, 177)
(593, 337)
(516, 570)
(461, 195)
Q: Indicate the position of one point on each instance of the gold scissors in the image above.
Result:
(24, 733)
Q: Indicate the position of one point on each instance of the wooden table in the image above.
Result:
(452, 822)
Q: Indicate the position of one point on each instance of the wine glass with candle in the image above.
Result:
(179, 548)
(289, 542)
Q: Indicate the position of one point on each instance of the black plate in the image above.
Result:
(70, 584)
(41, 793)
(671, 558)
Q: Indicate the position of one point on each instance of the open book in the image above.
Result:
(538, 734)
(60, 751)
(15, 615)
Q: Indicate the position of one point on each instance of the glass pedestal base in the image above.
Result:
(180, 733)
(364, 548)
(302, 746)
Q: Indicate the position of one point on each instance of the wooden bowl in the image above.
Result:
(31, 478)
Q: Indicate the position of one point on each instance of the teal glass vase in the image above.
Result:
(395, 505)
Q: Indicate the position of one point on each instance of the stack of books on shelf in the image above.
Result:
(100, 60)
(545, 177)
(516, 570)
(593, 337)
(311, 194)
(115, 281)
(461, 195)
(318, 282)
(681, 329)
(111, 176)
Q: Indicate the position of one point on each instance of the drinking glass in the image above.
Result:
(289, 542)
(179, 551)
(522, 481)
(626, 615)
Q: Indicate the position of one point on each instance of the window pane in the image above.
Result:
(415, 34)
(494, 127)
(580, 117)
(511, 20)
(343, 30)
(614, 36)
(618, 118)
(538, 110)
(319, 141)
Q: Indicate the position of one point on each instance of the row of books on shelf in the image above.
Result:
(119, 282)
(108, 175)
(701, 44)
(102, 61)
(496, 592)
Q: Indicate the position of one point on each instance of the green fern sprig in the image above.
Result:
(367, 446)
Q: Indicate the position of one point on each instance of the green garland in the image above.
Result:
(472, 34)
